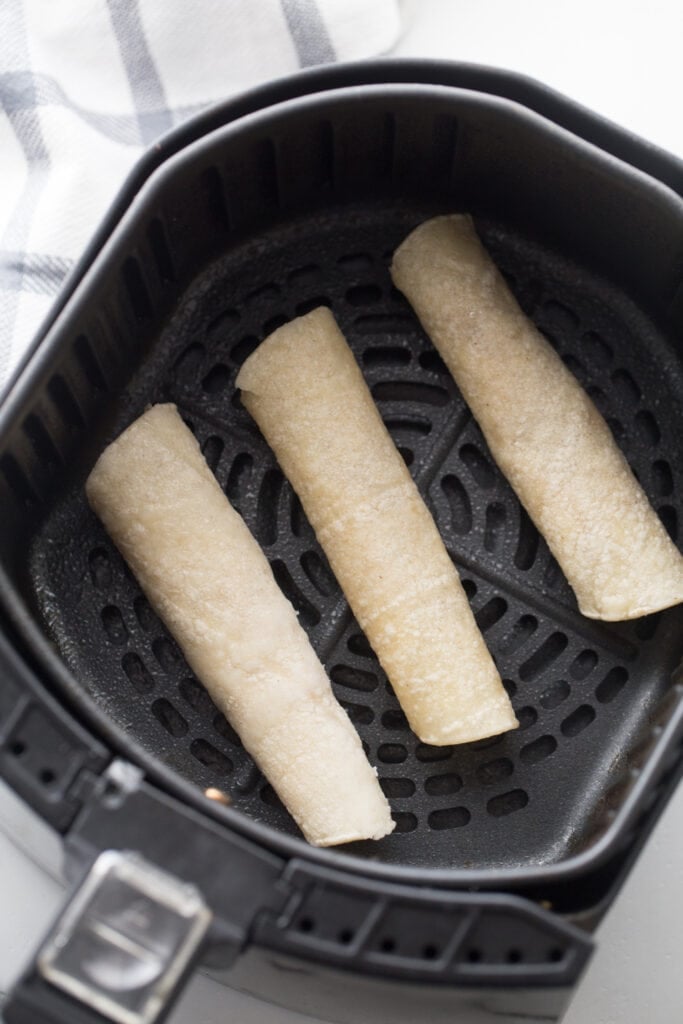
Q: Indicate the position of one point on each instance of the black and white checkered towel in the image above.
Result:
(86, 85)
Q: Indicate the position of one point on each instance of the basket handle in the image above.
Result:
(120, 950)
(160, 887)
(218, 892)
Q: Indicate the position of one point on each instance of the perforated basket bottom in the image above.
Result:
(584, 692)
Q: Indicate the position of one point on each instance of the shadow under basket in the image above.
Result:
(258, 218)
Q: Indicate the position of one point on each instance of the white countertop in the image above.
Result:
(624, 61)
(621, 58)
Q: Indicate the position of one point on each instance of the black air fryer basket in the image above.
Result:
(507, 851)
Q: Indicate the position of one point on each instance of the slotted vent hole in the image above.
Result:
(145, 615)
(303, 277)
(449, 817)
(647, 428)
(443, 785)
(492, 772)
(137, 673)
(243, 349)
(386, 355)
(217, 379)
(224, 729)
(364, 295)
(398, 789)
(617, 428)
(378, 324)
(425, 752)
(459, 504)
(495, 526)
(578, 720)
(526, 717)
(543, 657)
(239, 478)
(583, 664)
(360, 714)
(169, 717)
(212, 449)
(268, 795)
(507, 803)
(395, 720)
(354, 678)
(210, 756)
(319, 573)
(42, 443)
(409, 391)
(265, 293)
(523, 630)
(355, 262)
(555, 694)
(626, 387)
(538, 750)
(64, 401)
(100, 568)
(114, 626)
(662, 478)
(527, 543)
(478, 464)
(267, 506)
(559, 316)
(189, 362)
(308, 613)
(415, 424)
(194, 694)
(573, 364)
(599, 397)
(392, 753)
(359, 644)
(510, 687)
(272, 324)
(667, 514)
(167, 654)
(405, 821)
(611, 686)
(308, 305)
(598, 351)
(491, 613)
(432, 361)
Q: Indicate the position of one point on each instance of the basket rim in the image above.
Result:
(180, 145)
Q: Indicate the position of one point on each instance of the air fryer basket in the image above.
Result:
(254, 223)
(583, 692)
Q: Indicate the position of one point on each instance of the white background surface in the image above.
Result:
(624, 61)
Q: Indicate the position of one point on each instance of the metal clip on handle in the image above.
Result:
(118, 952)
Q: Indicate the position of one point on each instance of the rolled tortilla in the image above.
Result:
(541, 427)
(213, 587)
(308, 396)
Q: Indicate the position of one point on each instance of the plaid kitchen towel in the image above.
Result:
(86, 85)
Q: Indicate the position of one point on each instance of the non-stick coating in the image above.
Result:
(583, 691)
